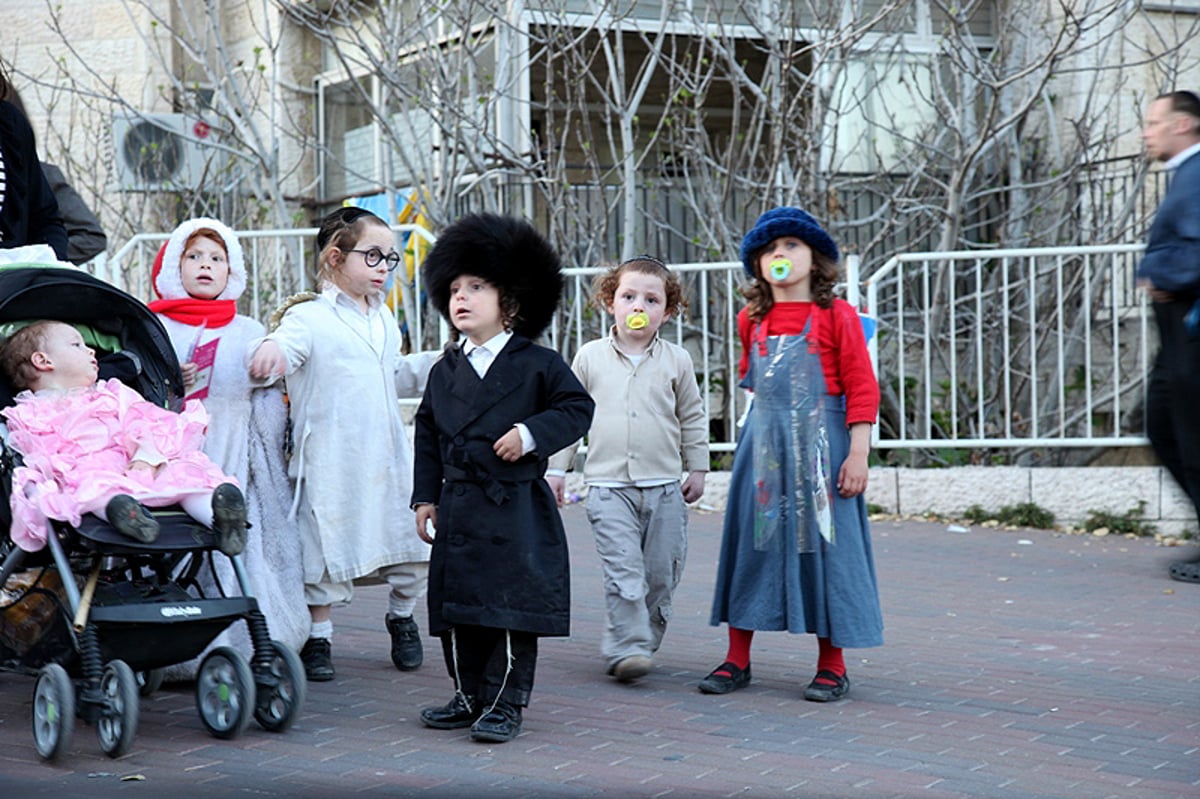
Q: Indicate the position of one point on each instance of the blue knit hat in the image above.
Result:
(785, 221)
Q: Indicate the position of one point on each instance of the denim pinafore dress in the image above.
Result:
(786, 563)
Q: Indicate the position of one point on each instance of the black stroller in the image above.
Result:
(95, 649)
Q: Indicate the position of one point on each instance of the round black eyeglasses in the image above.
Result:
(374, 255)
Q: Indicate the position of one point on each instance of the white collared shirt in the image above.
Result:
(1179, 158)
(369, 325)
(481, 357)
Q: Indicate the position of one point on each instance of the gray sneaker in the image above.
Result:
(131, 519)
(229, 518)
(632, 668)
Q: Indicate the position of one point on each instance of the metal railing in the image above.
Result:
(1043, 347)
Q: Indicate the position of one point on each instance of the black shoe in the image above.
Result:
(498, 725)
(827, 687)
(229, 518)
(725, 678)
(131, 518)
(1186, 570)
(317, 657)
(453, 715)
(406, 642)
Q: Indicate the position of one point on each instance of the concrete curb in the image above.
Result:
(1070, 493)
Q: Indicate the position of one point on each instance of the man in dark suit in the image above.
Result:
(28, 211)
(1170, 269)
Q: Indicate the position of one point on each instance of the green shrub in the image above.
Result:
(977, 515)
(1131, 521)
(1026, 514)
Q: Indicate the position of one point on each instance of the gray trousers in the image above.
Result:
(641, 537)
(408, 582)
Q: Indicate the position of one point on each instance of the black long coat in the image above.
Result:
(499, 558)
(29, 213)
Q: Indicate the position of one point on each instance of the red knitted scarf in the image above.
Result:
(210, 313)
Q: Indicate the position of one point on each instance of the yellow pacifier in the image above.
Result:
(780, 268)
(637, 320)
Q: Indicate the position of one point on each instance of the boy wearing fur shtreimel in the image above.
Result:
(494, 409)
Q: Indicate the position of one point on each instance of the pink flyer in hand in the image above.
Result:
(203, 356)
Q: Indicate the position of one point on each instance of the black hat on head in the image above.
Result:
(506, 252)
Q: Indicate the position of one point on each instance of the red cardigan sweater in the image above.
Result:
(838, 336)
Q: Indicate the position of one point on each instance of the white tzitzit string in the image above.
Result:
(507, 670)
(457, 680)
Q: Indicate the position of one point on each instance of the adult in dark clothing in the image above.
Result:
(85, 237)
(1170, 269)
(494, 411)
(28, 211)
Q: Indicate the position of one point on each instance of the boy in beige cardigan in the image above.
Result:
(648, 429)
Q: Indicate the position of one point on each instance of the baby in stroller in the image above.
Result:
(89, 611)
(90, 446)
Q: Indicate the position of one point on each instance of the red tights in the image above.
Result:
(829, 657)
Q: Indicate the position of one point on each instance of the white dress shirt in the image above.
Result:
(481, 357)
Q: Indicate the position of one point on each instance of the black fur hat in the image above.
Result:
(506, 252)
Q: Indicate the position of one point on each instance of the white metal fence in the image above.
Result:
(1011, 348)
(980, 349)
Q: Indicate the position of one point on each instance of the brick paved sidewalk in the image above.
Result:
(1018, 664)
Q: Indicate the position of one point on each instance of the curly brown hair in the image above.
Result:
(16, 353)
(823, 278)
(604, 287)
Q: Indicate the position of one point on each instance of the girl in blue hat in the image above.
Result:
(796, 551)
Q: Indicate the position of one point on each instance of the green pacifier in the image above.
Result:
(780, 268)
(637, 320)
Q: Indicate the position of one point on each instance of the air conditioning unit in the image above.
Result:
(163, 152)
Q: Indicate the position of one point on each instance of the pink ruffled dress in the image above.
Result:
(78, 445)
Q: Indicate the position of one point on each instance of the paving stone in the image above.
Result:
(1061, 668)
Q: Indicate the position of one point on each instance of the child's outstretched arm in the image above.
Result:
(412, 371)
(852, 477)
(268, 361)
(568, 413)
(287, 347)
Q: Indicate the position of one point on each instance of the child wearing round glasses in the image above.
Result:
(352, 462)
(199, 274)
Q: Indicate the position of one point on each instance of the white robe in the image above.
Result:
(352, 462)
(245, 436)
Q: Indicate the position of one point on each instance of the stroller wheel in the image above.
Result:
(225, 692)
(53, 711)
(118, 719)
(281, 689)
(150, 681)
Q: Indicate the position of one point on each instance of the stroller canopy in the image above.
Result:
(147, 361)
